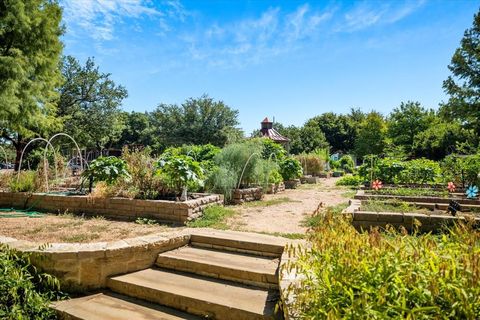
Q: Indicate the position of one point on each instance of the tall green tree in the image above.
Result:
(372, 135)
(406, 121)
(137, 129)
(90, 104)
(196, 121)
(463, 85)
(339, 130)
(30, 50)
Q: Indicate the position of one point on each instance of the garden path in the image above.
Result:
(285, 212)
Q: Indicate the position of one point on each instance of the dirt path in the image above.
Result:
(285, 212)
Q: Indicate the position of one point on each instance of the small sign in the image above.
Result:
(453, 207)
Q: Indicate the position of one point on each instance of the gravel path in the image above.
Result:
(292, 208)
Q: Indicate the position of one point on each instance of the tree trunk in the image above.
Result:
(19, 145)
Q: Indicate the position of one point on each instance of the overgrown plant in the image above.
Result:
(290, 169)
(107, 169)
(26, 292)
(391, 275)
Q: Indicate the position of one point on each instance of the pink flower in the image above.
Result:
(377, 184)
(451, 186)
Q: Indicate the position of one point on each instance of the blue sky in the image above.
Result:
(287, 59)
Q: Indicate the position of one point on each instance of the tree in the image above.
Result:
(30, 50)
(372, 133)
(312, 138)
(463, 85)
(406, 121)
(137, 129)
(196, 121)
(339, 130)
(90, 104)
(441, 139)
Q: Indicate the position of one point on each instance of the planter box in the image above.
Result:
(324, 175)
(114, 208)
(240, 196)
(337, 174)
(292, 184)
(275, 188)
(310, 180)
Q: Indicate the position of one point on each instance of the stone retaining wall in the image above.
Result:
(115, 208)
(364, 220)
(276, 188)
(361, 195)
(81, 267)
(240, 196)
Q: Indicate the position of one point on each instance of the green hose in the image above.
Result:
(20, 213)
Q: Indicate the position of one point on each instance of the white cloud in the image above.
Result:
(99, 18)
(368, 14)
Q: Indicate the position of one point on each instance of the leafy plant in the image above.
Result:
(349, 180)
(312, 163)
(391, 275)
(290, 169)
(347, 164)
(108, 169)
(179, 172)
(26, 292)
(27, 182)
(272, 150)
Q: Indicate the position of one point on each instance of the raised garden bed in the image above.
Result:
(275, 188)
(362, 195)
(240, 196)
(292, 184)
(310, 180)
(114, 208)
(429, 221)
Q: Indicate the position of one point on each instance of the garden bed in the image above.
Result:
(409, 217)
(363, 195)
(240, 196)
(114, 208)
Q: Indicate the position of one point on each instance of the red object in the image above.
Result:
(451, 186)
(377, 184)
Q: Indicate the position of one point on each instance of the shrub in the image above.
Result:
(347, 164)
(272, 150)
(463, 170)
(395, 171)
(180, 172)
(108, 169)
(26, 293)
(213, 217)
(349, 180)
(312, 164)
(27, 182)
(347, 274)
(290, 169)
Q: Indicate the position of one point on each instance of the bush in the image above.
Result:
(272, 150)
(27, 182)
(290, 169)
(179, 172)
(395, 171)
(349, 180)
(347, 164)
(462, 170)
(26, 293)
(347, 274)
(108, 169)
(312, 164)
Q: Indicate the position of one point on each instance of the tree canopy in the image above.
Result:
(30, 50)
(90, 104)
(196, 121)
(463, 86)
(372, 135)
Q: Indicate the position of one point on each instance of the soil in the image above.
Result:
(294, 206)
(68, 228)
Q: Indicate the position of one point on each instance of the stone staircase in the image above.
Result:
(219, 275)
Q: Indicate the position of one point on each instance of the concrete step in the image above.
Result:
(217, 299)
(238, 267)
(252, 243)
(112, 306)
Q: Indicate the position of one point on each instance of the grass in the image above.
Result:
(410, 192)
(391, 206)
(213, 217)
(268, 203)
(293, 236)
(316, 218)
(345, 274)
(349, 194)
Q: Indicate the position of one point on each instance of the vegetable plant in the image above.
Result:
(290, 169)
(180, 172)
(108, 169)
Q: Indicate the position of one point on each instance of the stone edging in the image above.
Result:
(361, 195)
(114, 208)
(365, 219)
(81, 267)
